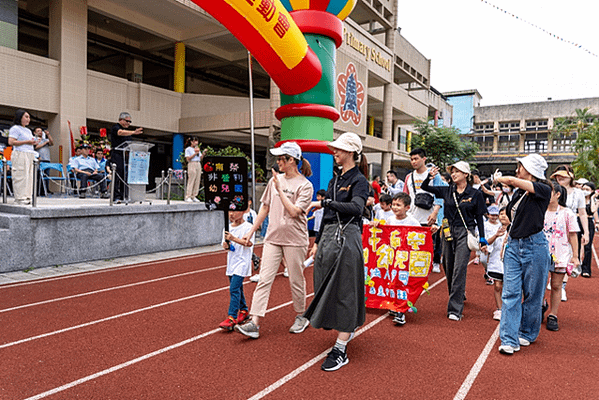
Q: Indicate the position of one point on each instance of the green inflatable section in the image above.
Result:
(307, 128)
(323, 93)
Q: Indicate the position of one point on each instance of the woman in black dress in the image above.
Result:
(339, 259)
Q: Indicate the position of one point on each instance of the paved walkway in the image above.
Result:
(49, 272)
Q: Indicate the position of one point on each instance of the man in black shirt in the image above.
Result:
(118, 135)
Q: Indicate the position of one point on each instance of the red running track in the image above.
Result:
(150, 331)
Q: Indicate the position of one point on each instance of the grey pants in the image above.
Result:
(456, 255)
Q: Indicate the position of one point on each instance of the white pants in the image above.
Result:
(22, 175)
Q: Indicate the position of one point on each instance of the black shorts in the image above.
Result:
(495, 275)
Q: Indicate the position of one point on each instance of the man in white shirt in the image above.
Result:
(394, 185)
(86, 168)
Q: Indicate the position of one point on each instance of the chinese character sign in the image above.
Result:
(397, 261)
(225, 182)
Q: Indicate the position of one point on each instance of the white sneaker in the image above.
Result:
(549, 286)
(453, 317)
(564, 297)
(507, 349)
(436, 267)
(286, 273)
(195, 200)
(255, 278)
(497, 315)
(524, 342)
(188, 200)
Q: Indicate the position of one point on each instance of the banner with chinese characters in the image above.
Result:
(397, 261)
(225, 183)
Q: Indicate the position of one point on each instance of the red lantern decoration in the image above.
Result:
(83, 130)
(102, 132)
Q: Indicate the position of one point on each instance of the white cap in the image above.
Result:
(534, 164)
(288, 148)
(460, 166)
(582, 181)
(348, 141)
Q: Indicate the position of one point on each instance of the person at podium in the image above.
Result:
(118, 135)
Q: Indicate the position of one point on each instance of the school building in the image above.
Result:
(179, 72)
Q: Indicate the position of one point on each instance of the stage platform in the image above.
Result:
(66, 230)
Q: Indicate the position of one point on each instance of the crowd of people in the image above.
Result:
(522, 229)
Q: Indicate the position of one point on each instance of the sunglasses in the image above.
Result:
(127, 120)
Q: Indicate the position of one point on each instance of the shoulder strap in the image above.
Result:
(413, 184)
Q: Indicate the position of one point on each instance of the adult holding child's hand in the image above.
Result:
(285, 201)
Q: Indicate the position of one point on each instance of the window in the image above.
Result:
(483, 128)
(485, 143)
(508, 143)
(563, 143)
(539, 125)
(535, 143)
(509, 127)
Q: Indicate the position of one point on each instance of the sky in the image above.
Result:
(475, 46)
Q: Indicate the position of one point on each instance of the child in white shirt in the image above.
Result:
(239, 265)
(496, 236)
(400, 206)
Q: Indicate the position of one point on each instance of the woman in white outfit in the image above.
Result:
(23, 153)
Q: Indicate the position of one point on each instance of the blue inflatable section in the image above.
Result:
(322, 173)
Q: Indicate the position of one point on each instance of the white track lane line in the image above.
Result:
(477, 367)
(595, 255)
(110, 289)
(100, 271)
(319, 357)
(29, 339)
(139, 359)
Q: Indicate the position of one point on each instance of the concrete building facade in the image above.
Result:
(505, 132)
(84, 61)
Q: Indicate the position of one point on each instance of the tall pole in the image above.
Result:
(252, 130)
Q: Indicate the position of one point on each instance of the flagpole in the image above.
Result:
(252, 131)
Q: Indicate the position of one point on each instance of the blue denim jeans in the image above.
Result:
(237, 302)
(525, 264)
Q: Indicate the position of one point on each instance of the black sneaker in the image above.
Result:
(335, 360)
(552, 323)
(256, 261)
(400, 318)
(392, 313)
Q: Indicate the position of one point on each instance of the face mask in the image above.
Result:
(506, 190)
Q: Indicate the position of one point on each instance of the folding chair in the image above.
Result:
(8, 177)
(46, 168)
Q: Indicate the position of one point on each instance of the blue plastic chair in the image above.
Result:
(46, 168)
(8, 177)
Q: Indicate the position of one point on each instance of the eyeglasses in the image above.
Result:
(127, 120)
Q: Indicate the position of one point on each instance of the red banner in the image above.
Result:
(397, 261)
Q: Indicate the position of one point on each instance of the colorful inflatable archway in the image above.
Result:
(295, 41)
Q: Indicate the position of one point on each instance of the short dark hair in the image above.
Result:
(19, 116)
(418, 152)
(392, 173)
(591, 185)
(403, 197)
(385, 198)
(563, 193)
(475, 172)
(321, 192)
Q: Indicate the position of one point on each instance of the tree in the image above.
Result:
(444, 146)
(586, 128)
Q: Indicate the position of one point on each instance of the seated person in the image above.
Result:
(86, 168)
(104, 169)
(78, 151)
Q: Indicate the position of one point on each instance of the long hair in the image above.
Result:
(563, 193)
(19, 116)
(569, 170)
(306, 168)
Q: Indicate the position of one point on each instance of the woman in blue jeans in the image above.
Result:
(526, 256)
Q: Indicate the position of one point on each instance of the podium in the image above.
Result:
(137, 166)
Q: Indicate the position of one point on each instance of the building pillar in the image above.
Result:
(388, 125)
(134, 70)
(68, 44)
(9, 23)
(178, 148)
(387, 157)
(179, 67)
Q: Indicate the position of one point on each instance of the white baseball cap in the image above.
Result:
(460, 166)
(288, 148)
(534, 164)
(348, 141)
(582, 181)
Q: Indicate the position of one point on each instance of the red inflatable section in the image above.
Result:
(310, 146)
(299, 79)
(319, 23)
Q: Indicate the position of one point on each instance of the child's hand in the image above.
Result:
(374, 223)
(575, 261)
(434, 228)
(225, 245)
(501, 230)
(228, 236)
